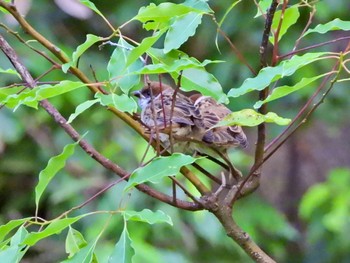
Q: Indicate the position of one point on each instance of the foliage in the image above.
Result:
(112, 230)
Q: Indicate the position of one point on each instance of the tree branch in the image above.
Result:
(127, 118)
(92, 152)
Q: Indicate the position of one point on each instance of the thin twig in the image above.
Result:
(92, 152)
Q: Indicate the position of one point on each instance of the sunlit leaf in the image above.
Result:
(119, 72)
(263, 7)
(163, 12)
(92, 6)
(194, 75)
(335, 24)
(9, 226)
(123, 251)
(54, 165)
(270, 74)
(249, 117)
(81, 108)
(55, 227)
(147, 216)
(9, 71)
(290, 17)
(283, 91)
(74, 242)
(121, 102)
(181, 29)
(159, 168)
(31, 97)
(146, 43)
(90, 40)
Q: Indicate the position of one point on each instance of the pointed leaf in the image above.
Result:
(181, 29)
(55, 227)
(15, 252)
(163, 12)
(263, 7)
(270, 74)
(84, 255)
(8, 227)
(159, 168)
(147, 216)
(200, 80)
(200, 5)
(146, 43)
(54, 165)
(90, 40)
(32, 97)
(119, 72)
(121, 102)
(335, 24)
(81, 108)
(92, 6)
(74, 242)
(123, 251)
(249, 117)
(283, 91)
(290, 17)
(9, 71)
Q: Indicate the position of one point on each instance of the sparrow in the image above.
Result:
(212, 113)
(159, 114)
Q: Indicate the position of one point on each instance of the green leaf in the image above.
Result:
(74, 242)
(249, 117)
(32, 97)
(15, 252)
(92, 6)
(290, 17)
(181, 29)
(147, 216)
(84, 255)
(200, 80)
(143, 47)
(81, 108)
(9, 71)
(285, 90)
(119, 72)
(263, 7)
(90, 40)
(123, 251)
(335, 24)
(55, 227)
(270, 74)
(194, 75)
(121, 102)
(54, 165)
(200, 5)
(163, 12)
(159, 168)
(313, 198)
(9, 226)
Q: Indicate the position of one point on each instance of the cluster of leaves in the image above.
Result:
(175, 23)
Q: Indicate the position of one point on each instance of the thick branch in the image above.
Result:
(222, 210)
(28, 79)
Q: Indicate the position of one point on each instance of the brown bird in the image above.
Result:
(219, 139)
(159, 114)
(212, 113)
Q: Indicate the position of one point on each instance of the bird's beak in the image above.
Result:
(137, 93)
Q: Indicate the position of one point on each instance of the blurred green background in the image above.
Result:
(300, 213)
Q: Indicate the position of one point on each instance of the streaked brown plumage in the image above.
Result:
(155, 100)
(212, 112)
